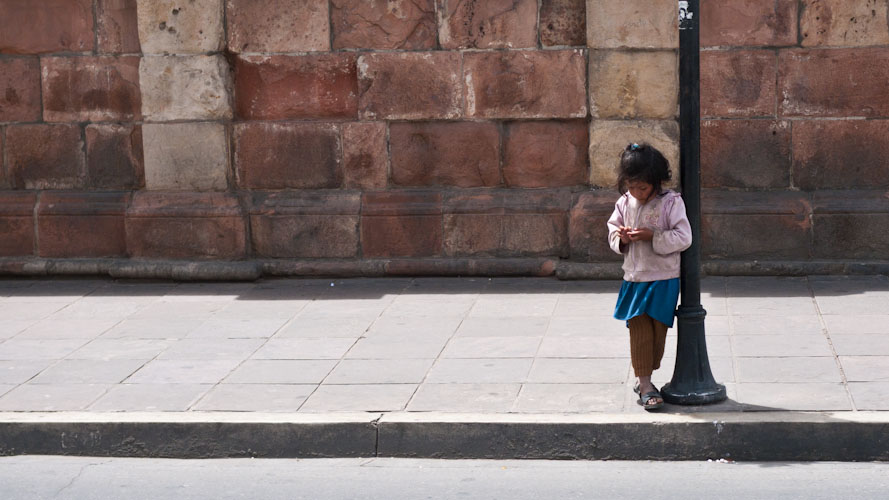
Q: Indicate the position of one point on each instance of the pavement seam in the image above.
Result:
(826, 333)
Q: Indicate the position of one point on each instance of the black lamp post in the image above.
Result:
(693, 382)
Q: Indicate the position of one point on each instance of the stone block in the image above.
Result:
(745, 154)
(81, 224)
(305, 224)
(840, 154)
(394, 24)
(748, 23)
(588, 226)
(487, 24)
(79, 89)
(525, 84)
(17, 223)
(185, 88)
(462, 154)
(634, 84)
(288, 155)
(844, 223)
(186, 156)
(563, 23)
(401, 224)
(180, 26)
(545, 153)
(185, 226)
(738, 83)
(850, 236)
(43, 156)
(410, 85)
(309, 86)
(649, 24)
(844, 23)
(755, 225)
(277, 25)
(834, 83)
(51, 26)
(609, 138)
(19, 90)
(117, 27)
(365, 155)
(506, 224)
(114, 157)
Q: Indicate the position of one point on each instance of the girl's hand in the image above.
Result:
(641, 234)
(624, 231)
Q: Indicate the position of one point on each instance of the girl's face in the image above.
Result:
(640, 190)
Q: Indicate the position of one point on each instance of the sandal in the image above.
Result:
(648, 396)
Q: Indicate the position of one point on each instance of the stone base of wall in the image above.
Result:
(255, 269)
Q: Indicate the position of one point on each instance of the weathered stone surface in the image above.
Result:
(844, 223)
(609, 138)
(545, 153)
(53, 26)
(188, 156)
(463, 154)
(17, 223)
(117, 26)
(850, 236)
(19, 90)
(755, 225)
(634, 84)
(841, 154)
(185, 88)
(114, 156)
(401, 224)
(517, 235)
(410, 85)
(745, 154)
(844, 22)
(487, 24)
(91, 89)
(305, 224)
(650, 24)
(311, 86)
(838, 82)
(288, 155)
(81, 224)
(738, 83)
(748, 22)
(45, 156)
(563, 22)
(365, 155)
(278, 25)
(506, 224)
(587, 226)
(180, 26)
(525, 84)
(394, 24)
(185, 226)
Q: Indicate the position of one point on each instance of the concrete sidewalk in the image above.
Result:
(446, 350)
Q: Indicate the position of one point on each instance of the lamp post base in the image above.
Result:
(693, 382)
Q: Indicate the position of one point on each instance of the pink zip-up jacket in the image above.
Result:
(657, 259)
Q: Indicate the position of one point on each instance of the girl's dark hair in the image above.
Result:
(642, 162)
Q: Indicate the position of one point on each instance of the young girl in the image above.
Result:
(649, 228)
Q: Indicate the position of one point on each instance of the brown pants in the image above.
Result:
(647, 338)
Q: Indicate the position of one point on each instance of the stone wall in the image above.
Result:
(430, 136)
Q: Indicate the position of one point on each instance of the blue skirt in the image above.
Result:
(657, 299)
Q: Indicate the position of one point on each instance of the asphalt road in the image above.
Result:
(38, 477)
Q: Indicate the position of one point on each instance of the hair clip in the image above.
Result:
(634, 147)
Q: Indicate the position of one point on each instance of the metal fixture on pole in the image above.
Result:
(693, 382)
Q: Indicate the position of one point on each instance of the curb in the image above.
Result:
(766, 436)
